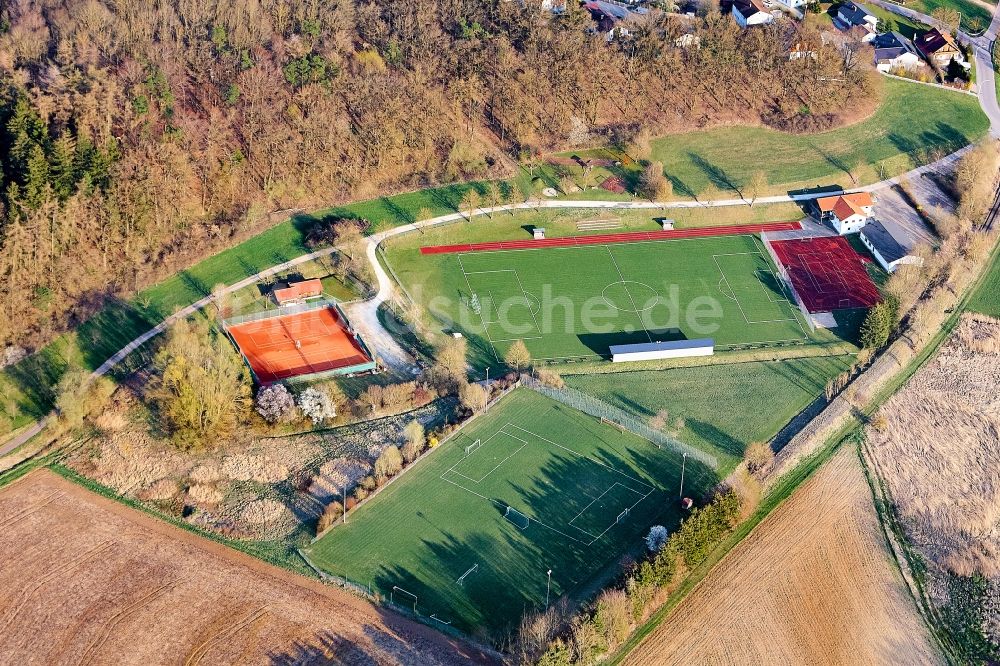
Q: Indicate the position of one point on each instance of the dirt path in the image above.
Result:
(813, 584)
(86, 579)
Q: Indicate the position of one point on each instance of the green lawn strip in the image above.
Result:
(724, 407)
(898, 135)
(913, 123)
(581, 299)
(279, 553)
(975, 17)
(904, 25)
(438, 521)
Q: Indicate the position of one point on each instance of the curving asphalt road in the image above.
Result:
(364, 315)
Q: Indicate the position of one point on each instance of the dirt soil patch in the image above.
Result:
(85, 579)
(813, 584)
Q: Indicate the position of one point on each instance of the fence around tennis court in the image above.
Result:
(282, 310)
(787, 279)
(597, 408)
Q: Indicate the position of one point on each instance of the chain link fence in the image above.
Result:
(596, 407)
(282, 310)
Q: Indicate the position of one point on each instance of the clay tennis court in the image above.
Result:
(827, 273)
(299, 344)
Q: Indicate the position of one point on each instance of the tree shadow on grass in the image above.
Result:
(715, 174)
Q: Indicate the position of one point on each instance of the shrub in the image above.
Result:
(330, 515)
(360, 494)
(549, 378)
(758, 456)
(78, 397)
(388, 464)
(316, 405)
(368, 483)
(517, 356)
(415, 439)
(275, 403)
(613, 617)
(558, 654)
(657, 538)
(373, 398)
(351, 502)
(653, 185)
(660, 420)
(398, 396)
(879, 323)
(473, 397)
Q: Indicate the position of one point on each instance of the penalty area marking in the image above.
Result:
(461, 579)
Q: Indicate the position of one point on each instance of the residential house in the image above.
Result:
(891, 244)
(607, 15)
(795, 5)
(893, 51)
(751, 12)
(848, 213)
(939, 48)
(855, 15)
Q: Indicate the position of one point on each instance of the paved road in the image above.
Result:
(364, 315)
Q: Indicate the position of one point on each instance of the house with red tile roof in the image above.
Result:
(848, 213)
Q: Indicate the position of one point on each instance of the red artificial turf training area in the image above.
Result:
(298, 344)
(627, 237)
(827, 273)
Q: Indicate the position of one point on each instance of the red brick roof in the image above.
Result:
(298, 290)
(845, 205)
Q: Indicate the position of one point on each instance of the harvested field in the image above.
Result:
(813, 584)
(936, 447)
(87, 580)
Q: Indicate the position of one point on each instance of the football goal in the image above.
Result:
(622, 516)
(472, 448)
(520, 520)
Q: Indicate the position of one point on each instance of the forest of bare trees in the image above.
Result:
(137, 136)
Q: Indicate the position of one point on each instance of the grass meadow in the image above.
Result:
(913, 124)
(570, 474)
(724, 407)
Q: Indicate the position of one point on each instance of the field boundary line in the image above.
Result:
(486, 330)
(635, 308)
(447, 438)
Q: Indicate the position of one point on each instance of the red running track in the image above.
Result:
(827, 273)
(629, 237)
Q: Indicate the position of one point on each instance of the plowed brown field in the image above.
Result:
(86, 580)
(813, 584)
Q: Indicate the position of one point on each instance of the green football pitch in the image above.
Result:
(467, 536)
(572, 302)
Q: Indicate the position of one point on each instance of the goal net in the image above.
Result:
(520, 520)
(472, 448)
(622, 516)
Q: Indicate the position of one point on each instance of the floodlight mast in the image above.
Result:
(683, 465)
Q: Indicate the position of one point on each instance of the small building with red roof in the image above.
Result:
(848, 213)
(298, 291)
